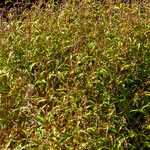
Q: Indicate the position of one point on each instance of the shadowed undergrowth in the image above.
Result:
(75, 77)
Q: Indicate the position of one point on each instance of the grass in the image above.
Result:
(76, 76)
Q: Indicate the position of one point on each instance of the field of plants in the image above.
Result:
(76, 77)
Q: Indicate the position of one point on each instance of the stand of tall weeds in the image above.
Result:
(76, 76)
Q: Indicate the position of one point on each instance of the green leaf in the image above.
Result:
(41, 119)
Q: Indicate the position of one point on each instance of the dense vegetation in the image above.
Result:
(75, 76)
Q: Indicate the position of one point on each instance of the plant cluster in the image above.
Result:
(76, 76)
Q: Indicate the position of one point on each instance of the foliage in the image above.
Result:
(75, 76)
